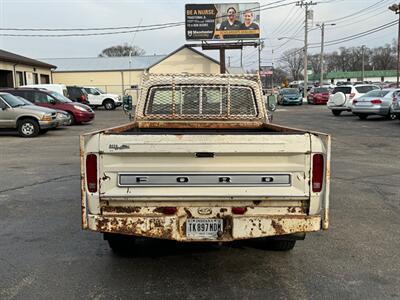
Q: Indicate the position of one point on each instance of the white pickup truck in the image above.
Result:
(201, 161)
(99, 98)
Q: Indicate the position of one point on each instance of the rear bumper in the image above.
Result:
(371, 110)
(235, 227)
(341, 108)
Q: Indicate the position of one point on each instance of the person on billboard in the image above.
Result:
(248, 24)
(231, 23)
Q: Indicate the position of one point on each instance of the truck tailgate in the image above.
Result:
(169, 166)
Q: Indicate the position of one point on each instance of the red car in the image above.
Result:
(78, 112)
(318, 95)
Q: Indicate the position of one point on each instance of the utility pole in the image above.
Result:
(321, 58)
(241, 58)
(363, 64)
(273, 72)
(396, 9)
(229, 61)
(306, 5)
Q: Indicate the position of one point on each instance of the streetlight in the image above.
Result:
(321, 58)
(396, 9)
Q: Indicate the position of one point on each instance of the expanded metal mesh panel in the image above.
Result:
(200, 101)
(197, 97)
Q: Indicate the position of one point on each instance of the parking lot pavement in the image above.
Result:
(44, 254)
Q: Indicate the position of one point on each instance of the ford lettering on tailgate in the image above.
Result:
(200, 179)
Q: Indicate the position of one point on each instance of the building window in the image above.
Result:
(19, 78)
(35, 78)
(44, 79)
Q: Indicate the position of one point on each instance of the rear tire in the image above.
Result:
(120, 243)
(28, 128)
(336, 112)
(280, 245)
(109, 104)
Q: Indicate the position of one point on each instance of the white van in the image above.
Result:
(59, 88)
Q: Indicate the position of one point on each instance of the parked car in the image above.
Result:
(99, 98)
(388, 85)
(318, 95)
(78, 94)
(63, 118)
(395, 108)
(309, 87)
(78, 112)
(376, 102)
(59, 88)
(29, 120)
(290, 96)
(342, 96)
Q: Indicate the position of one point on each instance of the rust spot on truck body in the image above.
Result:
(121, 209)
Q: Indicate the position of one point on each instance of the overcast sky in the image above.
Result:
(275, 23)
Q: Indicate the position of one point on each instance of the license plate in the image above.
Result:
(203, 228)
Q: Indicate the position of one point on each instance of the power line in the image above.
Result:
(349, 38)
(355, 13)
(130, 29)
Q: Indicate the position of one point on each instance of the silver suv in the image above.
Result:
(29, 120)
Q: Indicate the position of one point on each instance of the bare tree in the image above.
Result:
(279, 76)
(384, 58)
(292, 61)
(122, 50)
(314, 61)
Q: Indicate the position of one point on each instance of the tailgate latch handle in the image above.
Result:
(204, 154)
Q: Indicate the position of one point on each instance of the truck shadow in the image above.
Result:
(147, 247)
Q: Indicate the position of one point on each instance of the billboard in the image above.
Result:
(223, 21)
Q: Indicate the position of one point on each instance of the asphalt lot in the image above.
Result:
(45, 255)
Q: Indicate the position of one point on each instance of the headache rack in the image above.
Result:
(200, 97)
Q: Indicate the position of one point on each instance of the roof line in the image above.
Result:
(99, 57)
(94, 71)
(183, 47)
(20, 59)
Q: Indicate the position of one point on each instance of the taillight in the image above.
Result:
(352, 95)
(376, 101)
(317, 173)
(83, 98)
(91, 172)
(239, 210)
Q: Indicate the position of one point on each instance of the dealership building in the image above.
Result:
(115, 74)
(16, 70)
